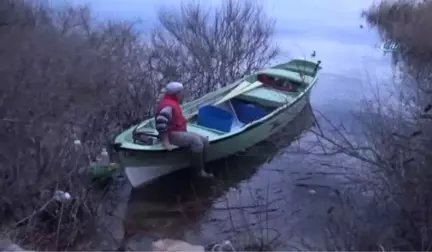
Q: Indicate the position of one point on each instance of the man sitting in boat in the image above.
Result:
(171, 125)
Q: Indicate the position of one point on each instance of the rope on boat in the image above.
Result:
(219, 246)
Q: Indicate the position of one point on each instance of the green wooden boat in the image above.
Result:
(279, 93)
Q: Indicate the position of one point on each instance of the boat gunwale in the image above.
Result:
(246, 127)
(251, 125)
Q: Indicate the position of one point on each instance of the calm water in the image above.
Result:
(256, 200)
(184, 206)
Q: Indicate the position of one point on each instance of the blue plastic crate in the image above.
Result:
(247, 112)
(215, 118)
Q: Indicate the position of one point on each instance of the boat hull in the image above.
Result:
(142, 167)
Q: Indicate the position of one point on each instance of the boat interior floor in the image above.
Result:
(263, 99)
(266, 99)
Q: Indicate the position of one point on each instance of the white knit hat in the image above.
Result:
(174, 87)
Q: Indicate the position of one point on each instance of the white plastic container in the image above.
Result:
(62, 196)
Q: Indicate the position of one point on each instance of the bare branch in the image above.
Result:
(213, 47)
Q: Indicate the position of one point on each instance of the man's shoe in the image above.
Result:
(204, 174)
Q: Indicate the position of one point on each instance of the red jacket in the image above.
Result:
(178, 122)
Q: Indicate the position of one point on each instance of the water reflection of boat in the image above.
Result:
(174, 204)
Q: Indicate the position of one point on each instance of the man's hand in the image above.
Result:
(166, 142)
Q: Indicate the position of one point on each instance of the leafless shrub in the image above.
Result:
(56, 87)
(210, 49)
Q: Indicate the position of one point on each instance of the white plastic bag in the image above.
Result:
(175, 245)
